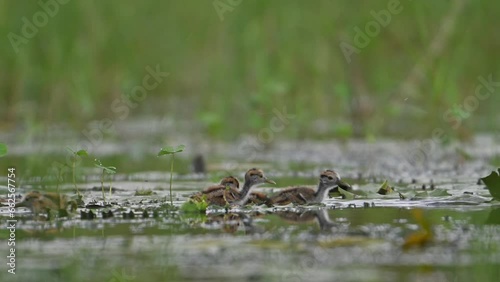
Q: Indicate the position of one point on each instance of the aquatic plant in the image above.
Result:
(195, 206)
(105, 169)
(385, 188)
(492, 182)
(169, 150)
(76, 154)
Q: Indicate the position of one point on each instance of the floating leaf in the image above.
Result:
(439, 193)
(385, 189)
(3, 149)
(168, 150)
(492, 182)
(346, 195)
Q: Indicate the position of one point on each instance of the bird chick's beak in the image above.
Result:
(270, 181)
(20, 204)
(344, 185)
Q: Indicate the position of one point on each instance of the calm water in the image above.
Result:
(359, 239)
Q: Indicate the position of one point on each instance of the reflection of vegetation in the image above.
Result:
(422, 237)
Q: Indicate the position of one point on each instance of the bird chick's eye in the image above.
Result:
(330, 178)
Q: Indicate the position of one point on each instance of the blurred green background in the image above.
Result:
(232, 62)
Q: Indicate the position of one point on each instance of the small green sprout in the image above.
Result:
(169, 150)
(105, 169)
(76, 154)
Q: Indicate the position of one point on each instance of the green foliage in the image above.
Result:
(169, 150)
(346, 195)
(195, 206)
(3, 149)
(385, 188)
(271, 54)
(108, 170)
(492, 182)
(76, 155)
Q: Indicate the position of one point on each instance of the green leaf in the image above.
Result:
(194, 206)
(385, 189)
(492, 182)
(3, 149)
(108, 169)
(346, 195)
(82, 153)
(168, 150)
(439, 193)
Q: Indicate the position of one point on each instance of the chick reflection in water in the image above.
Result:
(320, 217)
(231, 223)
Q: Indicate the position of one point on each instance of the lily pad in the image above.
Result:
(439, 193)
(492, 182)
(346, 195)
(171, 150)
(3, 149)
(434, 193)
